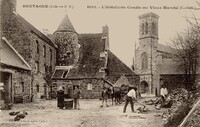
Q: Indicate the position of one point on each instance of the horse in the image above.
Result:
(115, 95)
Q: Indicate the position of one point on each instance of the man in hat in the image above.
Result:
(77, 93)
(104, 96)
(130, 98)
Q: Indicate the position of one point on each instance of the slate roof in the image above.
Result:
(51, 37)
(89, 58)
(10, 57)
(34, 30)
(65, 25)
(168, 66)
(116, 67)
(164, 48)
(89, 61)
(122, 80)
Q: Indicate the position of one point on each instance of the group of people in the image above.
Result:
(130, 97)
(61, 98)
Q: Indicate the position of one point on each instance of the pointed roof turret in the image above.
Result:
(66, 25)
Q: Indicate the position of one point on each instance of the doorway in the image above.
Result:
(6, 94)
(144, 87)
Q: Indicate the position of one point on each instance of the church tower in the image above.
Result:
(66, 39)
(147, 51)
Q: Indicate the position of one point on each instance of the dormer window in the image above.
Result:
(102, 54)
(102, 69)
(65, 73)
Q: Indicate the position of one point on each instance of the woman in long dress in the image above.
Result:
(60, 97)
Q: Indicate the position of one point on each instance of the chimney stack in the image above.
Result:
(105, 32)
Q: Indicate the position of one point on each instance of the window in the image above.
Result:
(142, 28)
(37, 46)
(103, 54)
(36, 66)
(65, 74)
(44, 51)
(68, 54)
(144, 61)
(58, 74)
(146, 28)
(89, 86)
(37, 88)
(153, 28)
(22, 83)
(51, 55)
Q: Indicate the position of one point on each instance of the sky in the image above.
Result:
(88, 16)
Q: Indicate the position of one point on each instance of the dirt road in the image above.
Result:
(46, 114)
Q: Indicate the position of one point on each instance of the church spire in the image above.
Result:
(66, 25)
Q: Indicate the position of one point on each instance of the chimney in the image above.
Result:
(14, 3)
(45, 31)
(105, 32)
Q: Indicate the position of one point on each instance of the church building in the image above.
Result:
(154, 62)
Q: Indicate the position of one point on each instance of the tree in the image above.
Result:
(187, 46)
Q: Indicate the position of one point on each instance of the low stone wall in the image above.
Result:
(90, 88)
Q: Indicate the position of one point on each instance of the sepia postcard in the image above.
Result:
(99, 63)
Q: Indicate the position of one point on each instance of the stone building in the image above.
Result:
(34, 47)
(84, 60)
(15, 75)
(154, 62)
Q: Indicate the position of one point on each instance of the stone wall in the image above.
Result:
(23, 37)
(19, 84)
(42, 55)
(90, 88)
(68, 52)
(21, 79)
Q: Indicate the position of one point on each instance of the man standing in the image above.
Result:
(104, 96)
(77, 93)
(130, 98)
